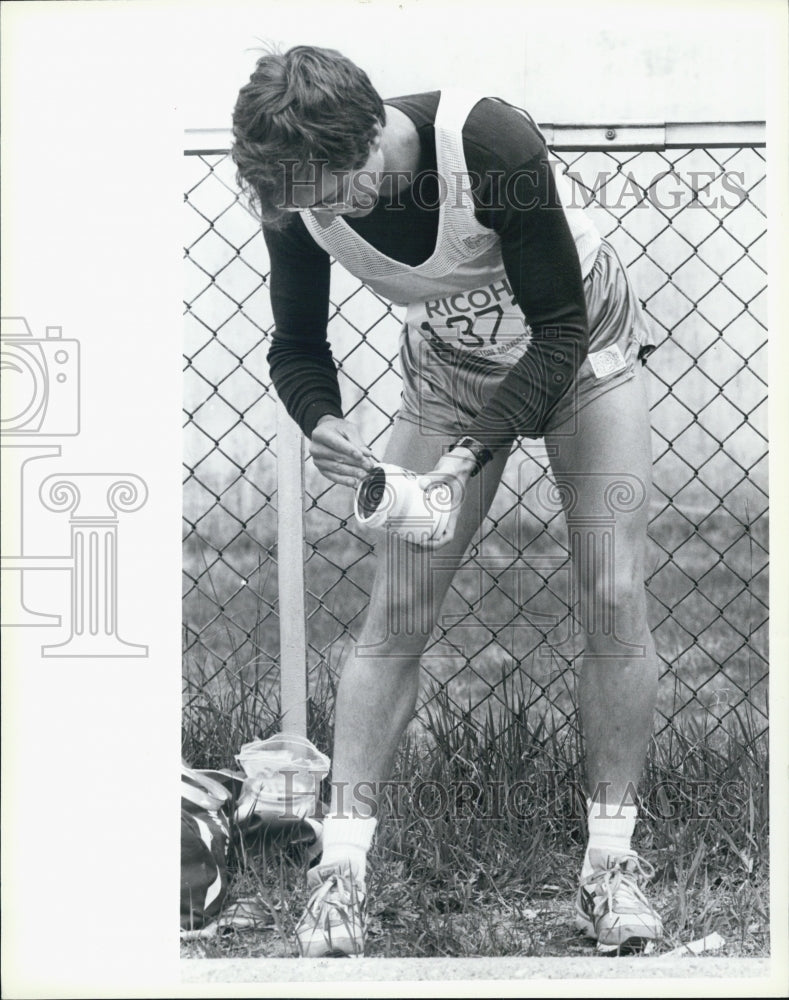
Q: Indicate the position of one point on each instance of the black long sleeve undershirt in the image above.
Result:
(541, 262)
(537, 250)
(300, 359)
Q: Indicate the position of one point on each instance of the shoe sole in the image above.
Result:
(324, 952)
(635, 940)
(338, 946)
(337, 953)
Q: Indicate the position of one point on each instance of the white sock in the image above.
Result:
(610, 832)
(346, 840)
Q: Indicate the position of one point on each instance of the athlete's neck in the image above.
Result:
(401, 149)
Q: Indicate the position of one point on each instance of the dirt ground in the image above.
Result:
(273, 971)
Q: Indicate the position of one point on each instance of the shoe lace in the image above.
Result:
(336, 892)
(623, 879)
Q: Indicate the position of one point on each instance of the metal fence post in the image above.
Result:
(290, 573)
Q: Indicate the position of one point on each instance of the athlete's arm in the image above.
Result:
(543, 269)
(300, 360)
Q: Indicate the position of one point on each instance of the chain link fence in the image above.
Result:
(689, 221)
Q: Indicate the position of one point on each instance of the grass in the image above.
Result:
(459, 877)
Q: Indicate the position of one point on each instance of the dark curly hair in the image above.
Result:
(306, 106)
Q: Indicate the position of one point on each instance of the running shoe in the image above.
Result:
(333, 925)
(611, 906)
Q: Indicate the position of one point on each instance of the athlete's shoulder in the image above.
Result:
(420, 108)
(503, 132)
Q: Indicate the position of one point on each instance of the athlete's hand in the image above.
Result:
(339, 452)
(451, 477)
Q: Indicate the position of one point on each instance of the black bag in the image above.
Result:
(205, 836)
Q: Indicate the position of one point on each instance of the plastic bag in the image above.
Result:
(283, 779)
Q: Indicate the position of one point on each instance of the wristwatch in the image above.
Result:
(481, 453)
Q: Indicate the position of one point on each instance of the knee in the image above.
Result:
(613, 594)
(406, 597)
(398, 625)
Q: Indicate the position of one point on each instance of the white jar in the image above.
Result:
(391, 498)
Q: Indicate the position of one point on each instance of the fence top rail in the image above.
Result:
(569, 136)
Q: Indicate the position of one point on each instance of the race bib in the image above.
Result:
(485, 322)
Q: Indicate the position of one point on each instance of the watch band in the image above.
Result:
(482, 454)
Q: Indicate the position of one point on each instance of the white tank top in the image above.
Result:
(463, 283)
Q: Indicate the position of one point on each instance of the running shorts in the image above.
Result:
(445, 385)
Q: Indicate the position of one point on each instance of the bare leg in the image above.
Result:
(377, 696)
(605, 468)
(380, 678)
